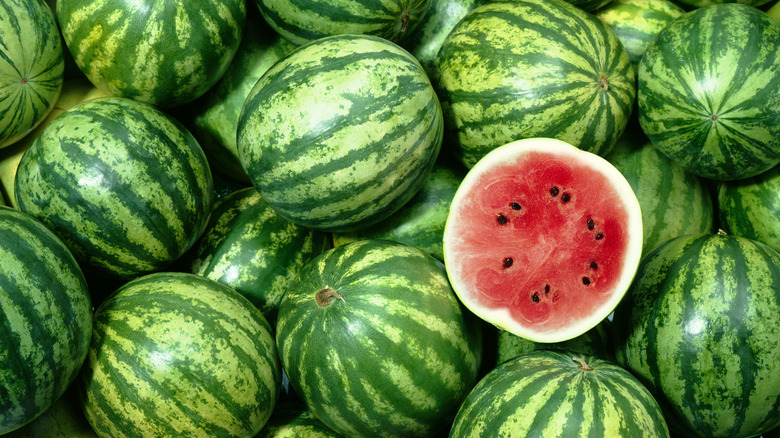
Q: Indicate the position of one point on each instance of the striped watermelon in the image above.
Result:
(163, 52)
(673, 202)
(31, 66)
(750, 207)
(64, 419)
(176, 354)
(125, 186)
(700, 327)
(250, 248)
(303, 21)
(549, 394)
(637, 22)
(376, 343)
(709, 91)
(341, 133)
(420, 222)
(533, 68)
(45, 319)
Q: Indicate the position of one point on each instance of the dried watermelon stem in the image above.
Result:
(583, 365)
(326, 295)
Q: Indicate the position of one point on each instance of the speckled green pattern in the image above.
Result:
(699, 327)
(393, 355)
(64, 419)
(341, 132)
(250, 248)
(709, 91)
(125, 186)
(176, 354)
(160, 51)
(548, 394)
(533, 68)
(45, 318)
(31, 66)
(303, 21)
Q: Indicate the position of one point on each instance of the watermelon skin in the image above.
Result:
(750, 207)
(589, 5)
(709, 91)
(64, 419)
(674, 202)
(699, 327)
(341, 133)
(291, 422)
(250, 248)
(547, 393)
(125, 186)
(703, 3)
(392, 355)
(45, 319)
(31, 67)
(304, 21)
(165, 53)
(176, 354)
(533, 68)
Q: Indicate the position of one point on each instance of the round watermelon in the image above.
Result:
(176, 354)
(750, 207)
(376, 343)
(545, 393)
(124, 185)
(340, 133)
(532, 68)
(163, 52)
(45, 319)
(542, 239)
(709, 91)
(700, 327)
(31, 66)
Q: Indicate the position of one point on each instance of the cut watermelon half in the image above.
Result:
(543, 239)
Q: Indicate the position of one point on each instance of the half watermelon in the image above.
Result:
(543, 239)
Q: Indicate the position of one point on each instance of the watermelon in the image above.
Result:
(750, 207)
(163, 52)
(532, 68)
(250, 248)
(376, 343)
(64, 419)
(546, 393)
(45, 319)
(674, 202)
(699, 326)
(31, 66)
(124, 185)
(304, 21)
(177, 354)
(542, 239)
(709, 91)
(637, 22)
(420, 222)
(340, 133)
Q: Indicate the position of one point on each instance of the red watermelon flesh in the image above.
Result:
(543, 239)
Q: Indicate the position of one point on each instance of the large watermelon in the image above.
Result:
(376, 343)
(543, 239)
(31, 66)
(751, 207)
(551, 394)
(125, 186)
(709, 91)
(163, 52)
(45, 319)
(533, 68)
(176, 354)
(340, 133)
(700, 327)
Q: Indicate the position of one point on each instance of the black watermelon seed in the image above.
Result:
(502, 219)
(508, 262)
(516, 206)
(565, 198)
(599, 236)
(585, 281)
(546, 288)
(591, 224)
(535, 298)
(593, 265)
(554, 191)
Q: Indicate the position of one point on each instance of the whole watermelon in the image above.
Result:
(699, 326)
(175, 354)
(532, 68)
(163, 52)
(376, 343)
(341, 132)
(709, 91)
(45, 319)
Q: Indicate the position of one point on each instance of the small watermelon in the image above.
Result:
(543, 239)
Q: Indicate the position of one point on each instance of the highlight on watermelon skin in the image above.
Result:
(543, 239)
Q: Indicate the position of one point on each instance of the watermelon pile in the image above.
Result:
(398, 218)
